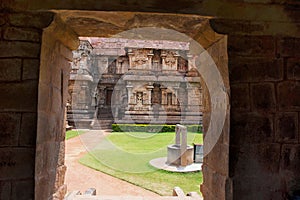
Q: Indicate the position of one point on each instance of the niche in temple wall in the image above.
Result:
(140, 58)
(169, 60)
(156, 94)
(169, 97)
(112, 65)
(139, 98)
(156, 60)
(101, 63)
(182, 64)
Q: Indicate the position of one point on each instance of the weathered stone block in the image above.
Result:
(56, 76)
(289, 167)
(240, 97)
(263, 96)
(10, 69)
(33, 19)
(60, 176)
(28, 129)
(45, 191)
(47, 127)
(287, 127)
(23, 190)
(293, 68)
(19, 96)
(218, 157)
(255, 160)
(290, 158)
(2, 19)
(288, 95)
(45, 96)
(250, 128)
(30, 69)
(16, 163)
(251, 45)
(61, 155)
(60, 193)
(236, 26)
(213, 181)
(5, 190)
(255, 69)
(288, 47)
(10, 128)
(22, 34)
(56, 101)
(66, 53)
(19, 49)
(264, 186)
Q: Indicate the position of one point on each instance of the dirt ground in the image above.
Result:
(79, 177)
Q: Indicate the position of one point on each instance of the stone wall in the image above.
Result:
(20, 44)
(32, 105)
(264, 156)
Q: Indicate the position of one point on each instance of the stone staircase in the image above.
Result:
(104, 121)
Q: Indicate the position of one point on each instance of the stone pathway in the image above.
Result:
(79, 177)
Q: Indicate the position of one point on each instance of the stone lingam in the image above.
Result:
(180, 154)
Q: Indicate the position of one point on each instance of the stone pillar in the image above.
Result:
(129, 88)
(54, 70)
(177, 139)
(149, 90)
(183, 146)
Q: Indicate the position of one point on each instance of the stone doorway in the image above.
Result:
(216, 47)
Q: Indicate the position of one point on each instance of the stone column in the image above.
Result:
(129, 88)
(57, 42)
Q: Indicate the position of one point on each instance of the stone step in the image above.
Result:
(90, 194)
(89, 197)
(102, 124)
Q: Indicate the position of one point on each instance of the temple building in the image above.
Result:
(116, 80)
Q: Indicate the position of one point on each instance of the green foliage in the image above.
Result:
(152, 128)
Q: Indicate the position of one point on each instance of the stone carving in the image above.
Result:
(156, 94)
(169, 60)
(139, 98)
(182, 64)
(139, 57)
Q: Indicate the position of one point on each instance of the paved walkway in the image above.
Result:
(79, 177)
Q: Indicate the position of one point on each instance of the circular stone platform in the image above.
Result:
(160, 163)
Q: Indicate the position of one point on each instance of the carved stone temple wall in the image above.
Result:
(117, 80)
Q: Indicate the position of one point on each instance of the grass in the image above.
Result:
(73, 133)
(127, 155)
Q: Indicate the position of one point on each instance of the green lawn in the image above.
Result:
(127, 155)
(73, 133)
